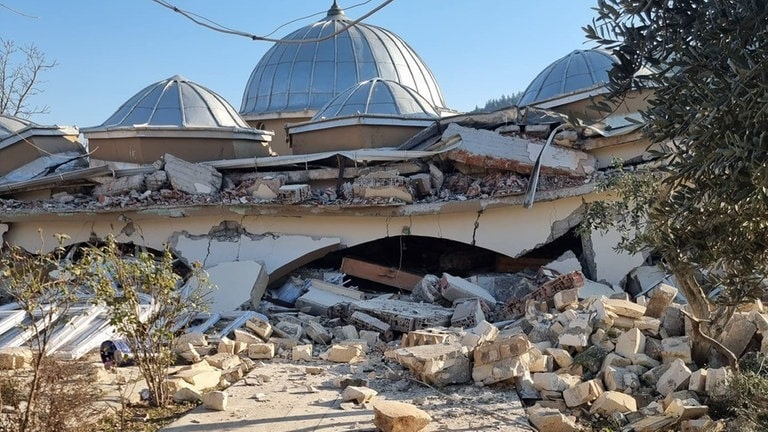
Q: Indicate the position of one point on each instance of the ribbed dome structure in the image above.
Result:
(10, 125)
(174, 102)
(378, 97)
(296, 77)
(578, 71)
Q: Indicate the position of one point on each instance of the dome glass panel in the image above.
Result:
(295, 77)
(378, 97)
(578, 71)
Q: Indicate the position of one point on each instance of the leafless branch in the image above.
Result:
(20, 72)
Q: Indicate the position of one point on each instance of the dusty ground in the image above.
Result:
(282, 396)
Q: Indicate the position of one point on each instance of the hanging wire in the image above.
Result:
(212, 25)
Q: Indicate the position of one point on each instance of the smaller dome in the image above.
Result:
(578, 71)
(174, 102)
(378, 97)
(11, 125)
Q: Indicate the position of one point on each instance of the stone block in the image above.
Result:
(566, 299)
(760, 320)
(194, 338)
(610, 402)
(391, 416)
(644, 360)
(562, 357)
(525, 388)
(371, 338)
(676, 348)
(294, 193)
(615, 360)
(120, 185)
(550, 381)
(259, 327)
(614, 379)
(624, 308)
(582, 393)
(246, 336)
(630, 342)
(738, 334)
(717, 381)
(438, 365)
(648, 325)
(551, 420)
(288, 329)
(192, 178)
(318, 333)
(685, 409)
(266, 188)
(187, 394)
(187, 352)
(698, 381)
(481, 333)
(203, 379)
(301, 352)
(261, 351)
(661, 297)
(702, 425)
(344, 354)
(453, 288)
(215, 400)
(501, 370)
(467, 314)
(422, 183)
(226, 346)
(345, 332)
(672, 321)
(539, 362)
(675, 378)
(358, 395)
(223, 360)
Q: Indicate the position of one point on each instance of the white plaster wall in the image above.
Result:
(610, 265)
(510, 230)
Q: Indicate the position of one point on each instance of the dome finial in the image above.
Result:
(335, 10)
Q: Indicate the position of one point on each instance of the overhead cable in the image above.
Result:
(207, 23)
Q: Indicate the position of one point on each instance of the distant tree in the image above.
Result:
(707, 220)
(21, 68)
(503, 101)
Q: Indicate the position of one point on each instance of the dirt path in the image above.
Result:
(280, 396)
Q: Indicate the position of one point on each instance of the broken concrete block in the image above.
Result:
(201, 378)
(288, 329)
(717, 381)
(196, 339)
(642, 359)
(630, 342)
(391, 416)
(345, 332)
(453, 288)
(438, 365)
(263, 350)
(702, 425)
(260, 327)
(539, 362)
(551, 419)
(577, 333)
(223, 360)
(422, 183)
(674, 378)
(524, 386)
(294, 193)
(676, 348)
(566, 299)
(246, 337)
(502, 348)
(685, 409)
(187, 394)
(615, 360)
(215, 400)
(479, 334)
(550, 381)
(614, 378)
(376, 185)
(610, 402)
(192, 178)
(698, 381)
(371, 338)
(582, 393)
(358, 394)
(226, 345)
(738, 334)
(624, 308)
(661, 297)
(427, 290)
(120, 185)
(266, 188)
(760, 320)
(15, 358)
(652, 423)
(562, 357)
(428, 337)
(156, 180)
(301, 352)
(344, 354)
(187, 352)
(672, 321)
(467, 314)
(318, 333)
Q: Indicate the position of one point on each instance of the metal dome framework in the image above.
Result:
(579, 71)
(174, 103)
(378, 97)
(301, 77)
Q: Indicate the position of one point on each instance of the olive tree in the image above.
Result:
(707, 218)
(145, 300)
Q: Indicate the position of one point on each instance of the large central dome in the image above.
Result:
(296, 77)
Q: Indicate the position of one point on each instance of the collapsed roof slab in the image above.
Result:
(501, 225)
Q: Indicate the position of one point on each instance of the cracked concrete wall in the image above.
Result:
(605, 263)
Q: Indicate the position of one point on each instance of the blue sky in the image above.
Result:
(108, 50)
